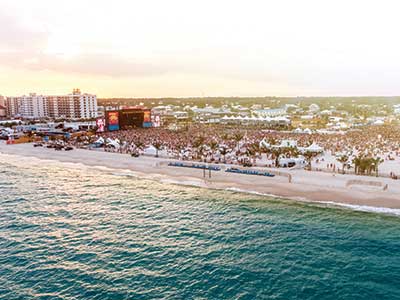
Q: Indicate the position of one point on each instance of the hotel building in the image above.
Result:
(72, 106)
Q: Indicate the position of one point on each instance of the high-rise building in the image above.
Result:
(13, 106)
(2, 101)
(72, 106)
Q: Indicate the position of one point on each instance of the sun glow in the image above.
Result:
(64, 48)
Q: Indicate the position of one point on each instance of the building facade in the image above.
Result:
(71, 106)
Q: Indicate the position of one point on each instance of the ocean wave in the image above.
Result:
(18, 159)
(363, 208)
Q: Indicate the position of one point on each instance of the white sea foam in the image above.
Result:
(238, 190)
(164, 179)
(363, 208)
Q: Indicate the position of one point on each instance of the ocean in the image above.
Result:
(68, 231)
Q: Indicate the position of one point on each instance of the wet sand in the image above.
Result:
(305, 185)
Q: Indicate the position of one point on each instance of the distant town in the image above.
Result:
(302, 114)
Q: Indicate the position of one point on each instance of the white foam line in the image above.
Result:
(165, 179)
(363, 208)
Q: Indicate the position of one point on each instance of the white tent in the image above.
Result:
(314, 148)
(151, 150)
(307, 130)
(298, 130)
(113, 143)
(100, 140)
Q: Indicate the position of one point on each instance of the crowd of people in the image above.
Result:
(234, 144)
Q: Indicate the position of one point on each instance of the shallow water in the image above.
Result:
(75, 232)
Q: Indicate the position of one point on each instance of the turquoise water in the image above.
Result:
(73, 232)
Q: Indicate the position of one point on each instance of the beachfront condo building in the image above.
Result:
(76, 105)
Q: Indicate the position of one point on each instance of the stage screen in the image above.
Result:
(113, 120)
(146, 116)
(100, 124)
(131, 118)
(155, 120)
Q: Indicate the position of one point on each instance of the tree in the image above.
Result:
(238, 136)
(309, 155)
(158, 146)
(253, 149)
(198, 144)
(223, 151)
(139, 144)
(357, 163)
(375, 163)
(366, 165)
(344, 159)
(276, 153)
(213, 145)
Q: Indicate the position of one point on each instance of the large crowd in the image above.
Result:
(217, 143)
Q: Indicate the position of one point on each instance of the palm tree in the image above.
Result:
(213, 145)
(276, 153)
(309, 155)
(375, 163)
(223, 151)
(139, 144)
(238, 136)
(254, 150)
(357, 163)
(198, 144)
(291, 151)
(225, 136)
(343, 160)
(158, 146)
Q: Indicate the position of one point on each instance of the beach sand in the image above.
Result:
(305, 185)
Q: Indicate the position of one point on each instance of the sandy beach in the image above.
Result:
(305, 185)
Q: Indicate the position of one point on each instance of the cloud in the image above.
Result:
(93, 64)
(23, 47)
(14, 36)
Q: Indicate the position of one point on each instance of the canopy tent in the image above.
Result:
(114, 143)
(307, 130)
(100, 140)
(151, 150)
(314, 148)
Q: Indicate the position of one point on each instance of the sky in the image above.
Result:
(130, 48)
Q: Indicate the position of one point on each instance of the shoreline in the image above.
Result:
(306, 186)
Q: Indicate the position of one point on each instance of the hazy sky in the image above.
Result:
(185, 48)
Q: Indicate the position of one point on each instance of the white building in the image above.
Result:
(71, 106)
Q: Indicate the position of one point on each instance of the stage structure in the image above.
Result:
(128, 118)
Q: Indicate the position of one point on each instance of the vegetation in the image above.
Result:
(366, 165)
(344, 160)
